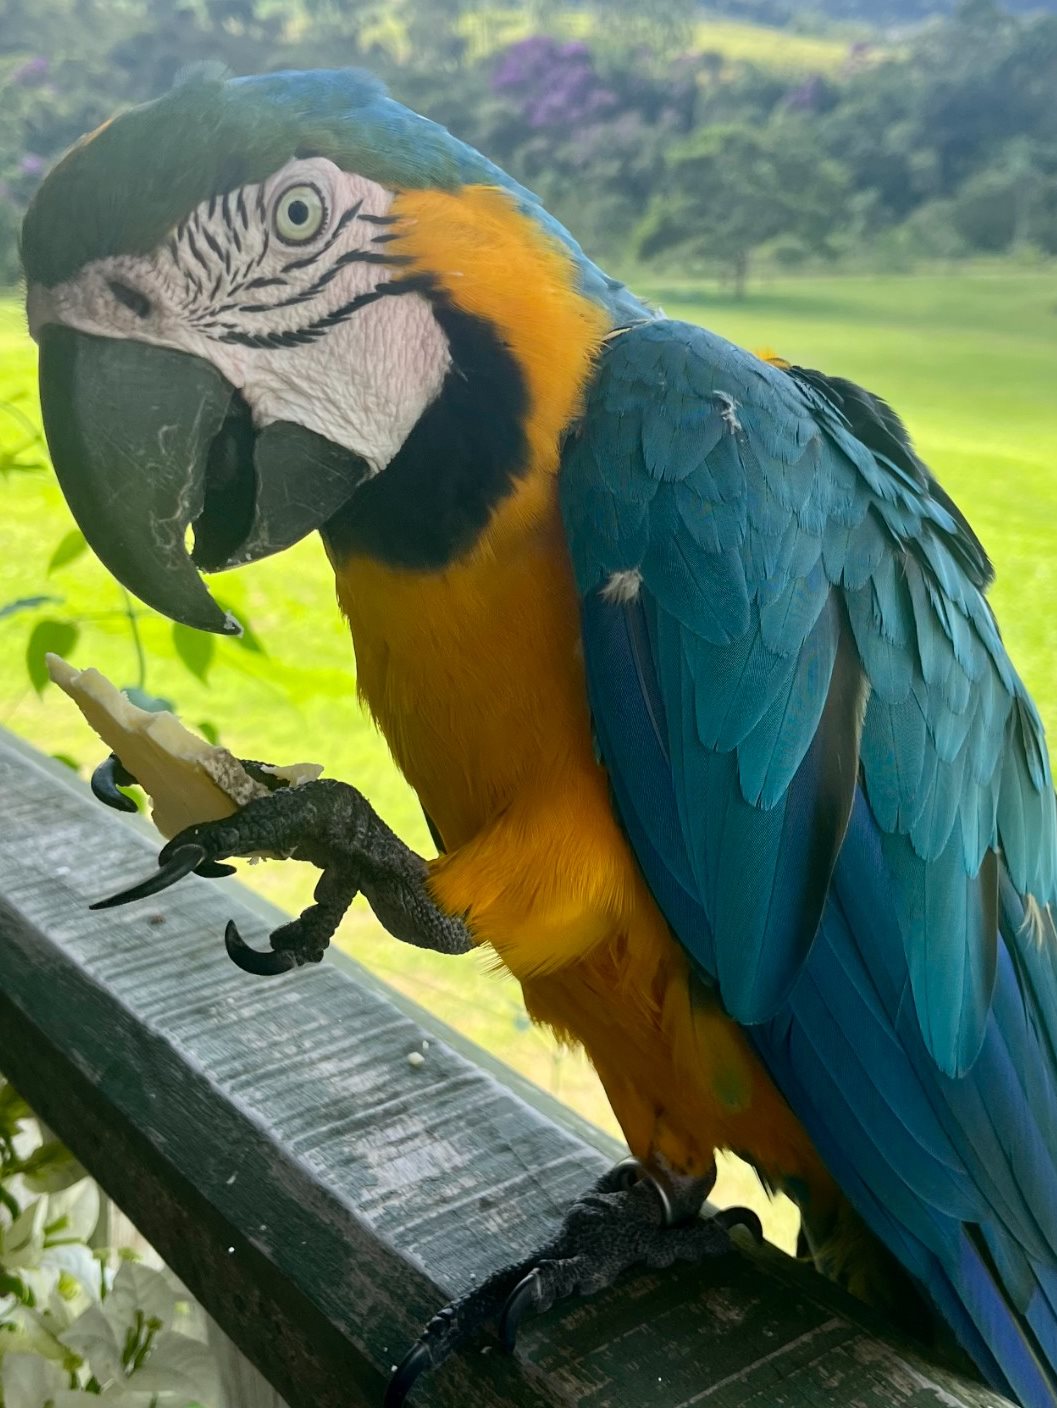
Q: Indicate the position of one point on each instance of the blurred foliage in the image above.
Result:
(728, 190)
(56, 628)
(79, 1320)
(940, 140)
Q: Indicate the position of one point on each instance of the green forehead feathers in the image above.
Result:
(121, 189)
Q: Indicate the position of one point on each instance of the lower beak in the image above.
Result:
(148, 443)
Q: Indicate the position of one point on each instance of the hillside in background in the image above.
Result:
(876, 13)
(659, 132)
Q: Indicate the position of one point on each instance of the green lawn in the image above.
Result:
(971, 362)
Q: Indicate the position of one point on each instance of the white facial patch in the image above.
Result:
(290, 288)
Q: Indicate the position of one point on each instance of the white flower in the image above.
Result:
(66, 1315)
(28, 1381)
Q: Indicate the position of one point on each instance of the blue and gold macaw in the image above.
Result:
(685, 652)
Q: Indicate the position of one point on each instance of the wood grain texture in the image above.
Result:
(320, 1195)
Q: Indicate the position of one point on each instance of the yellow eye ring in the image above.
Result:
(300, 214)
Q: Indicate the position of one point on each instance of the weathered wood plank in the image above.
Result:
(243, 1385)
(318, 1194)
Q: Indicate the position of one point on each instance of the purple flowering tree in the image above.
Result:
(554, 85)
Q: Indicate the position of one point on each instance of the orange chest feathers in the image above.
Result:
(474, 673)
(475, 676)
(472, 670)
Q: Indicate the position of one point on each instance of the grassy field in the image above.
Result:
(971, 362)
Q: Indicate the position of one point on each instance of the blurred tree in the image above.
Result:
(729, 190)
(1009, 207)
(593, 103)
(654, 31)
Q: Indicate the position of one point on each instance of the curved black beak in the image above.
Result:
(149, 443)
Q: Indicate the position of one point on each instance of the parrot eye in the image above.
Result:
(300, 213)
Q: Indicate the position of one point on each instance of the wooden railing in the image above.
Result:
(320, 1194)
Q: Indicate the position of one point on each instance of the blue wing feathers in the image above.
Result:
(839, 793)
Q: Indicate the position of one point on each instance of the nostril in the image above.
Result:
(131, 298)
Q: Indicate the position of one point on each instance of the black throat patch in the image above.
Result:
(431, 504)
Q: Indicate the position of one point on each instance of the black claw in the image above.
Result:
(415, 1362)
(183, 860)
(264, 963)
(214, 869)
(107, 778)
(741, 1217)
(525, 1296)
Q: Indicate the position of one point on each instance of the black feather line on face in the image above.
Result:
(220, 251)
(310, 259)
(354, 256)
(265, 247)
(296, 337)
(431, 504)
(196, 253)
(263, 282)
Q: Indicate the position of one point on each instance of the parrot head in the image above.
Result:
(277, 304)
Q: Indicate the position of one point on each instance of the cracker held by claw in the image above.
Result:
(188, 780)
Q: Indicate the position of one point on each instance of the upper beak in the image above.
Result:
(148, 442)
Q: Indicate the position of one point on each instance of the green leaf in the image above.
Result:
(67, 761)
(50, 636)
(51, 1168)
(195, 648)
(27, 603)
(13, 1109)
(249, 639)
(209, 731)
(153, 703)
(71, 548)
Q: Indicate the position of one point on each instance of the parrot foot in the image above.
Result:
(630, 1217)
(332, 826)
(111, 775)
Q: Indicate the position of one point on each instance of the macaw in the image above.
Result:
(684, 650)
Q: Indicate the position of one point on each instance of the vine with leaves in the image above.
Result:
(58, 632)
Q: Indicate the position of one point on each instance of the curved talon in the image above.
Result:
(525, 1296)
(741, 1217)
(627, 1172)
(264, 962)
(630, 1171)
(105, 781)
(413, 1364)
(182, 861)
(214, 869)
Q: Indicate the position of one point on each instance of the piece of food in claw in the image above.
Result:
(187, 779)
